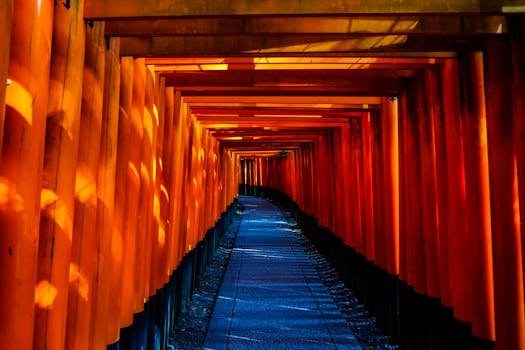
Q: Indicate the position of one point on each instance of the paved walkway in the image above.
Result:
(271, 296)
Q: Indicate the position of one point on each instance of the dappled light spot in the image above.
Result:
(47, 197)
(116, 247)
(164, 191)
(156, 208)
(77, 279)
(85, 185)
(144, 174)
(10, 201)
(133, 174)
(45, 294)
(19, 99)
(161, 236)
(63, 218)
(147, 126)
(156, 113)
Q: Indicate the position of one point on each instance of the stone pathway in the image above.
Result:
(271, 296)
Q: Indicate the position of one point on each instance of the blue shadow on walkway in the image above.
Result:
(271, 296)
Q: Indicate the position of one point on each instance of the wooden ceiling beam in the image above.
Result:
(198, 62)
(286, 101)
(101, 9)
(363, 25)
(291, 76)
(273, 111)
(300, 44)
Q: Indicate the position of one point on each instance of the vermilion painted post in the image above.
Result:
(389, 130)
(85, 232)
(58, 183)
(430, 208)
(345, 164)
(106, 182)
(506, 237)
(171, 197)
(370, 190)
(124, 139)
(146, 197)
(403, 192)
(6, 20)
(416, 267)
(132, 238)
(126, 172)
(473, 298)
(341, 186)
(518, 55)
(156, 230)
(318, 179)
(443, 97)
(21, 171)
(356, 185)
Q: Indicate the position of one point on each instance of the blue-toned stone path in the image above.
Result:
(271, 296)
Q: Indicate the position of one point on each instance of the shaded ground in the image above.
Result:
(278, 292)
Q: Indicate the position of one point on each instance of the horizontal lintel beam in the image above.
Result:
(101, 9)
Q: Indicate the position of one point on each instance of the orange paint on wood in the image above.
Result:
(429, 201)
(6, 21)
(415, 258)
(371, 194)
(85, 240)
(506, 237)
(474, 298)
(58, 183)
(389, 129)
(26, 101)
(133, 251)
(518, 55)
(108, 247)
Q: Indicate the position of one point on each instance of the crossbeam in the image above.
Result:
(101, 9)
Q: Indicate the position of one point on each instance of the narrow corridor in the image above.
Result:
(272, 295)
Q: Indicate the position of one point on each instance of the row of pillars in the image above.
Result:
(106, 180)
(431, 186)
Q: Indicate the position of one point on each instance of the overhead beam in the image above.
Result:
(205, 63)
(300, 44)
(364, 25)
(290, 76)
(198, 111)
(286, 101)
(102, 9)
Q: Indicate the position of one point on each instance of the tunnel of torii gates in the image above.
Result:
(126, 127)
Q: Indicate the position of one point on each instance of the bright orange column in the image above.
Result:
(109, 249)
(345, 154)
(370, 220)
(84, 248)
(411, 206)
(430, 210)
(518, 54)
(356, 184)
(6, 20)
(146, 197)
(58, 183)
(21, 170)
(389, 130)
(473, 300)
(117, 244)
(132, 297)
(506, 237)
(452, 195)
